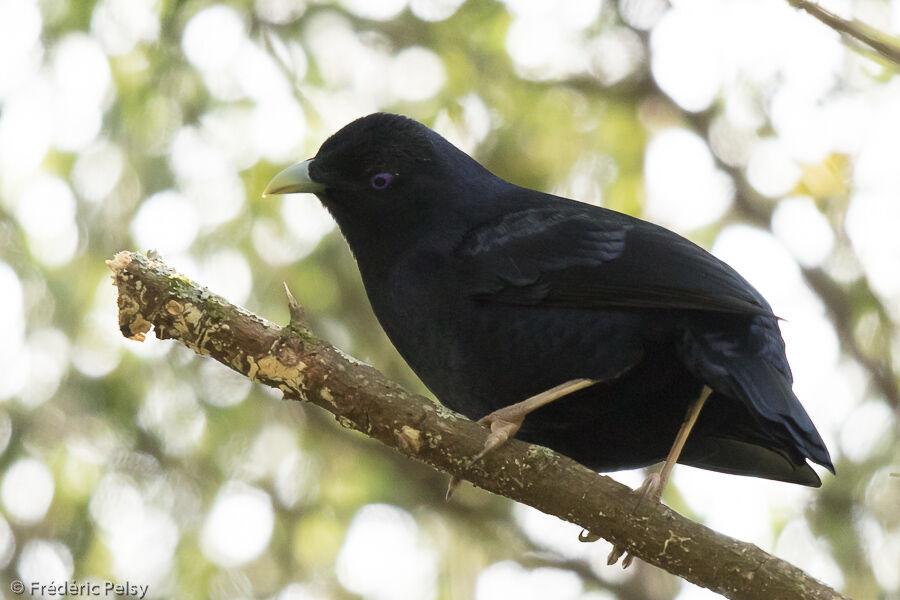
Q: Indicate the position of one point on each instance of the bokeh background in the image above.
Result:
(133, 124)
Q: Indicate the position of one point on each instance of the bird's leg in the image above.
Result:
(506, 421)
(655, 483)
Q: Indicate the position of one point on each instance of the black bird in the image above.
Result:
(612, 330)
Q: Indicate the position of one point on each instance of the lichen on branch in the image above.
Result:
(304, 367)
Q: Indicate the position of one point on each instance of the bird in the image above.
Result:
(607, 338)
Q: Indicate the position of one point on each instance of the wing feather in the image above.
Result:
(578, 255)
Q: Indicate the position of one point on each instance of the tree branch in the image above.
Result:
(878, 41)
(304, 367)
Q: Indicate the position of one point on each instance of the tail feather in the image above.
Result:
(765, 390)
(754, 372)
(738, 457)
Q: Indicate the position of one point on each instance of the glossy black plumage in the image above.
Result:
(493, 293)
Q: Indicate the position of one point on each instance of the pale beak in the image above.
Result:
(294, 180)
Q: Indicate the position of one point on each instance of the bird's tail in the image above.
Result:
(753, 424)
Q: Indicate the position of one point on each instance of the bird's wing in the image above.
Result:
(576, 255)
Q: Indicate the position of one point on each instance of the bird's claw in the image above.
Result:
(451, 486)
(614, 555)
(503, 427)
(587, 536)
(501, 430)
(651, 488)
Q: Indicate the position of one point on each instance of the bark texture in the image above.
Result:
(307, 368)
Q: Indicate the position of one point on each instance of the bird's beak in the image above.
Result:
(294, 180)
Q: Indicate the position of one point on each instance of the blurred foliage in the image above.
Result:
(143, 444)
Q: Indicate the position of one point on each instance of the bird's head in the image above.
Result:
(382, 165)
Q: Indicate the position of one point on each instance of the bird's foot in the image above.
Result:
(587, 537)
(507, 421)
(504, 424)
(652, 488)
(614, 555)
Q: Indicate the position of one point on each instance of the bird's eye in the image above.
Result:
(381, 180)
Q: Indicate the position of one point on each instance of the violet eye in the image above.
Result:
(381, 180)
